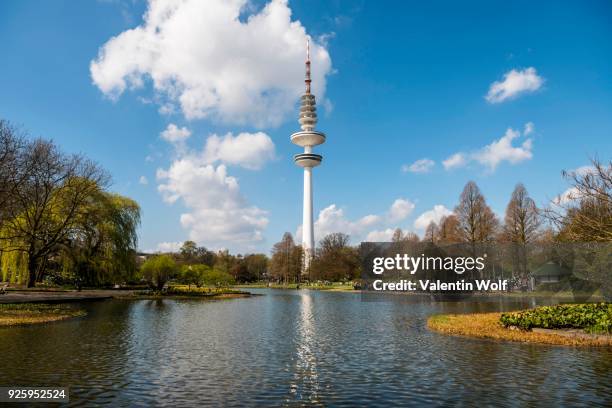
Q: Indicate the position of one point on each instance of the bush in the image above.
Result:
(593, 317)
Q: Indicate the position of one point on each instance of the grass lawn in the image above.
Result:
(30, 313)
(488, 326)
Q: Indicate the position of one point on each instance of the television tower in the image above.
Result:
(307, 138)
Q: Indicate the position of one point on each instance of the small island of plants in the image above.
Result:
(572, 325)
(167, 279)
(29, 313)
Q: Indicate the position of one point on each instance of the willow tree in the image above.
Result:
(101, 247)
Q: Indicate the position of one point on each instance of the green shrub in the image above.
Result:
(593, 317)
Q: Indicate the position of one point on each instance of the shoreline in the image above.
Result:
(88, 295)
(59, 296)
(486, 326)
(26, 314)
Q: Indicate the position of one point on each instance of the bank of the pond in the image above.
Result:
(488, 326)
(30, 313)
(56, 296)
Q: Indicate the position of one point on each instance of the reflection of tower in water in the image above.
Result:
(305, 385)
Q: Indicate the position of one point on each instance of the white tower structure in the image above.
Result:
(307, 138)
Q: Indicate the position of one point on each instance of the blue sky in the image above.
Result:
(400, 82)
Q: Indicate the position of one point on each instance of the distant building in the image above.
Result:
(550, 272)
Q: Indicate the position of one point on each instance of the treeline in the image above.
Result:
(58, 221)
(198, 266)
(334, 260)
(584, 214)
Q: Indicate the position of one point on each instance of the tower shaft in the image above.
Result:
(307, 221)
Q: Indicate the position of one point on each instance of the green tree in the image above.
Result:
(257, 266)
(191, 275)
(215, 277)
(189, 251)
(158, 270)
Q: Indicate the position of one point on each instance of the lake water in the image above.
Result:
(294, 348)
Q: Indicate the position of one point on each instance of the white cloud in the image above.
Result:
(503, 150)
(435, 214)
(568, 196)
(498, 151)
(584, 170)
(573, 194)
(400, 209)
(332, 219)
(174, 134)
(143, 180)
(218, 216)
(454, 161)
(249, 150)
(380, 235)
(515, 83)
(165, 247)
(419, 166)
(201, 56)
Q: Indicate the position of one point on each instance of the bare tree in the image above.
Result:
(522, 221)
(477, 222)
(448, 230)
(431, 232)
(13, 169)
(398, 235)
(48, 203)
(586, 213)
(411, 237)
(286, 260)
(336, 260)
